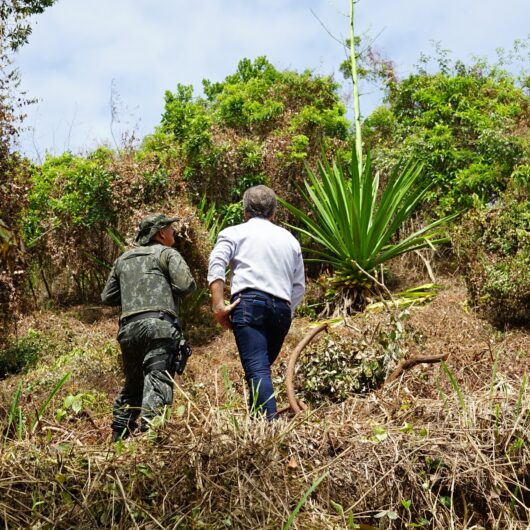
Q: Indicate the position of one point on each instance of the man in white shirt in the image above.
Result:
(267, 283)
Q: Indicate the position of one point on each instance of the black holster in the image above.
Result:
(183, 353)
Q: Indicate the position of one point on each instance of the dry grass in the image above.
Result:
(442, 448)
(212, 467)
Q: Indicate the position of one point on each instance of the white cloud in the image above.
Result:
(147, 47)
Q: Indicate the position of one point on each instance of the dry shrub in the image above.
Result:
(353, 358)
(13, 187)
(415, 449)
(194, 245)
(72, 253)
(391, 461)
(12, 278)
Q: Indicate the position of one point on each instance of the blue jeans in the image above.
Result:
(260, 322)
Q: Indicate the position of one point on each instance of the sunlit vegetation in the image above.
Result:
(444, 162)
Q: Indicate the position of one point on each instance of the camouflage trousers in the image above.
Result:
(148, 347)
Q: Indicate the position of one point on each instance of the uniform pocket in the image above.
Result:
(161, 329)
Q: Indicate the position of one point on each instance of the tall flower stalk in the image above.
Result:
(350, 226)
(356, 102)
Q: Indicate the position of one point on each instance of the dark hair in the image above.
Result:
(259, 201)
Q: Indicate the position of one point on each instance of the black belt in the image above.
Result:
(148, 314)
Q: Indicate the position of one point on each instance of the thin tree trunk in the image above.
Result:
(43, 276)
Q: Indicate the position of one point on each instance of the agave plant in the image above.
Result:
(356, 232)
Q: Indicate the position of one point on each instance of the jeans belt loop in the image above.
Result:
(253, 291)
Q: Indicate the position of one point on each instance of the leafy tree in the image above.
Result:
(257, 126)
(65, 223)
(15, 30)
(70, 191)
(468, 124)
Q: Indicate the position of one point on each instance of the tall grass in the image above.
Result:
(302, 501)
(16, 424)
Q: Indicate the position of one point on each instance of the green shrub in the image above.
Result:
(468, 124)
(69, 190)
(346, 362)
(70, 205)
(257, 125)
(23, 353)
(161, 146)
(493, 246)
(250, 153)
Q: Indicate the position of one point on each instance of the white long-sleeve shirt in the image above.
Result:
(262, 256)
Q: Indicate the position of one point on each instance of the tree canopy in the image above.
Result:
(15, 29)
(470, 125)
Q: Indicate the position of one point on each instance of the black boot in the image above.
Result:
(122, 434)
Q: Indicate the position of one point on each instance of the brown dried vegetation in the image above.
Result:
(13, 190)
(412, 453)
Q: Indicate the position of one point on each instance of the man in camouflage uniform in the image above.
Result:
(148, 282)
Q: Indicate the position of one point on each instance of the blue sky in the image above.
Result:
(80, 52)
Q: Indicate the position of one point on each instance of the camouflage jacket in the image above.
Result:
(149, 278)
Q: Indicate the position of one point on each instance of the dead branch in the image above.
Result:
(427, 265)
(296, 404)
(407, 364)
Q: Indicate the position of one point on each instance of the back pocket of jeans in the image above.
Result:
(249, 312)
(257, 313)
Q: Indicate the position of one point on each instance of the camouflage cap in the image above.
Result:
(150, 225)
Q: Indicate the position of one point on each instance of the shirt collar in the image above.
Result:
(259, 219)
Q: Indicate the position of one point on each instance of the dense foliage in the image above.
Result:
(82, 210)
(466, 126)
(257, 126)
(348, 361)
(470, 125)
(14, 31)
(493, 245)
(64, 224)
(14, 28)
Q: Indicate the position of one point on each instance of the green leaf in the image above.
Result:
(302, 501)
(77, 404)
(337, 507)
(353, 229)
(387, 513)
(380, 434)
(43, 407)
(407, 428)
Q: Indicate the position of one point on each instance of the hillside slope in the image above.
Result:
(439, 448)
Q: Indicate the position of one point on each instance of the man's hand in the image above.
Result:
(221, 313)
